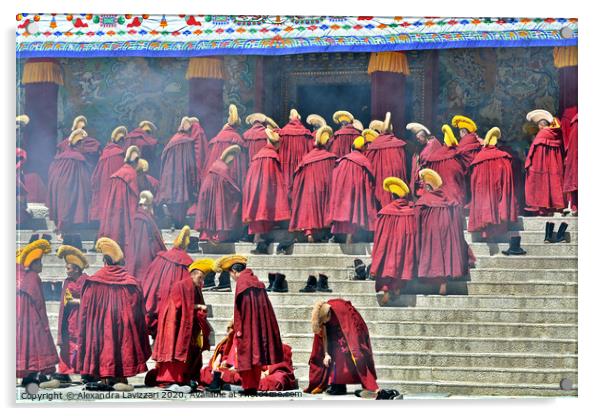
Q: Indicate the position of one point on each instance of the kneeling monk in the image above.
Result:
(183, 331)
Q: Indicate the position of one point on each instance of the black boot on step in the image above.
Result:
(216, 383)
(209, 281)
(337, 389)
(224, 283)
(360, 270)
(549, 238)
(323, 284)
(262, 248)
(280, 284)
(561, 234)
(311, 285)
(515, 249)
(193, 245)
(285, 247)
(271, 278)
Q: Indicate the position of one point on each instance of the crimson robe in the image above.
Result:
(36, 189)
(545, 171)
(35, 347)
(68, 329)
(342, 140)
(255, 138)
(395, 249)
(295, 141)
(176, 349)
(493, 203)
(90, 148)
(468, 147)
(219, 205)
(110, 160)
(113, 340)
(566, 122)
(265, 196)
(144, 243)
(222, 351)
(310, 198)
(117, 217)
(201, 147)
(146, 143)
(571, 170)
(168, 268)
(228, 136)
(417, 164)
(352, 200)
(448, 163)
(350, 349)
(443, 251)
(69, 189)
(256, 334)
(148, 183)
(281, 376)
(388, 158)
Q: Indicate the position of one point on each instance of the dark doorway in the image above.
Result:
(325, 99)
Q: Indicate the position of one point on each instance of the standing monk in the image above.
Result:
(265, 196)
(470, 143)
(352, 200)
(342, 139)
(395, 250)
(146, 182)
(69, 186)
(90, 147)
(179, 182)
(201, 145)
(256, 334)
(545, 166)
(443, 253)
(183, 331)
(255, 137)
(571, 167)
(110, 160)
(493, 203)
(142, 137)
(310, 206)
(296, 141)
(113, 343)
(145, 239)
(168, 268)
(117, 215)
(388, 157)
(220, 198)
(36, 354)
(425, 144)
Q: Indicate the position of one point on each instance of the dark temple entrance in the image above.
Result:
(326, 99)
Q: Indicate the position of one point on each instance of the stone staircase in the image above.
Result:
(510, 328)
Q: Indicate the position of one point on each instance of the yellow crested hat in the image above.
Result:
(147, 126)
(183, 238)
(204, 265)
(146, 198)
(130, 152)
(273, 137)
(33, 251)
(77, 136)
(119, 133)
(396, 186)
(342, 117)
(491, 137)
(185, 123)
(357, 124)
(142, 165)
(463, 122)
(536, 116)
(448, 136)
(72, 255)
(230, 151)
(323, 134)
(76, 120)
(431, 177)
(387, 125)
(359, 142)
(270, 122)
(22, 120)
(255, 117)
(377, 125)
(225, 263)
(315, 120)
(110, 248)
(416, 128)
(233, 118)
(294, 115)
(370, 135)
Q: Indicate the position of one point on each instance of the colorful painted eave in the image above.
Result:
(105, 35)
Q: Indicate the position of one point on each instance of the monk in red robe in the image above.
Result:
(342, 139)
(493, 203)
(146, 182)
(395, 250)
(425, 144)
(90, 147)
(112, 299)
(470, 143)
(571, 170)
(36, 354)
(280, 376)
(110, 160)
(388, 157)
(179, 182)
(256, 334)
(219, 370)
(121, 202)
(443, 252)
(36, 188)
(352, 200)
(145, 240)
(69, 187)
(220, 198)
(264, 196)
(255, 137)
(168, 268)
(183, 331)
(341, 352)
(142, 137)
(545, 166)
(201, 145)
(310, 198)
(296, 141)
(228, 136)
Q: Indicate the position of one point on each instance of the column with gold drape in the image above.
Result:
(206, 88)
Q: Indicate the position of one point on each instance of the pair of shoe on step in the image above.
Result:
(362, 272)
(284, 247)
(277, 283)
(315, 285)
(222, 286)
(560, 235)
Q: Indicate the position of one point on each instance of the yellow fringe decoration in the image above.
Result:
(389, 62)
(565, 56)
(205, 68)
(35, 72)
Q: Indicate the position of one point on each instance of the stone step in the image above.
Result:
(527, 237)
